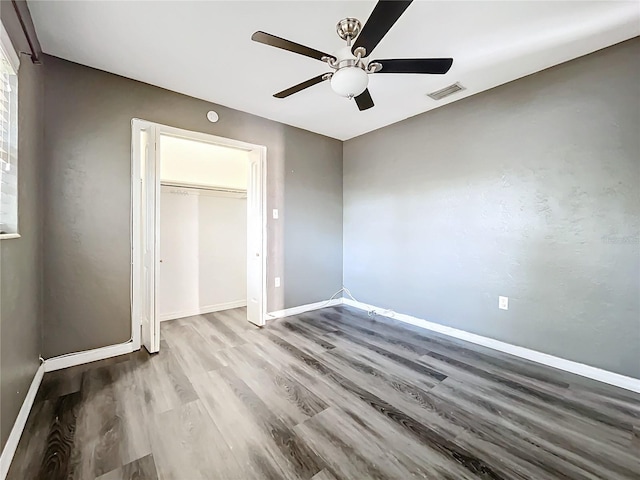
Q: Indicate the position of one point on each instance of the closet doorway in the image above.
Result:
(199, 227)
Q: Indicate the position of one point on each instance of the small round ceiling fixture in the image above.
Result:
(212, 116)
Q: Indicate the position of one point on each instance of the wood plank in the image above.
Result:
(99, 428)
(193, 352)
(33, 443)
(425, 434)
(509, 426)
(186, 444)
(301, 460)
(287, 398)
(253, 446)
(56, 461)
(60, 382)
(140, 469)
(326, 395)
(324, 475)
(545, 396)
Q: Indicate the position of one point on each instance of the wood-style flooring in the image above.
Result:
(331, 394)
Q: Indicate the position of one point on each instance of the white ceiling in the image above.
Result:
(204, 49)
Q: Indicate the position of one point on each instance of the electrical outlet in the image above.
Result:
(277, 282)
(503, 303)
(275, 213)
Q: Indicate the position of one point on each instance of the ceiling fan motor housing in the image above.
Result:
(344, 58)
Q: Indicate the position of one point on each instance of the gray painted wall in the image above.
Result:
(313, 209)
(87, 201)
(20, 259)
(530, 190)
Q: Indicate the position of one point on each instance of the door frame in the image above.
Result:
(137, 290)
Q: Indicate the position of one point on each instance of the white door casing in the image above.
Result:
(256, 265)
(145, 176)
(149, 238)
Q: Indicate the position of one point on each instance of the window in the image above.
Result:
(8, 138)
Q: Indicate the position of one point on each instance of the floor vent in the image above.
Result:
(446, 91)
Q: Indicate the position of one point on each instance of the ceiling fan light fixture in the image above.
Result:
(349, 81)
(352, 63)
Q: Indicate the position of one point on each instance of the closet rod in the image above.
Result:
(203, 187)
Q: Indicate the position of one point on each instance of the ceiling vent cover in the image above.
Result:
(446, 91)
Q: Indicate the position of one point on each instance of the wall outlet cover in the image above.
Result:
(503, 303)
(277, 282)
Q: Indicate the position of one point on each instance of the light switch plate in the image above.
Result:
(275, 213)
(503, 303)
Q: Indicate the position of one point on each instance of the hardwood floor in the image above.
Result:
(331, 394)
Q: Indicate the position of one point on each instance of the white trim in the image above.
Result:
(135, 229)
(9, 449)
(262, 150)
(202, 310)
(581, 369)
(155, 337)
(136, 257)
(287, 312)
(87, 356)
(9, 236)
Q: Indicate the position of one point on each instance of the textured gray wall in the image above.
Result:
(313, 202)
(20, 259)
(530, 190)
(87, 200)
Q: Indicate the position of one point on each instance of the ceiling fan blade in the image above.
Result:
(416, 65)
(301, 86)
(364, 100)
(268, 39)
(384, 15)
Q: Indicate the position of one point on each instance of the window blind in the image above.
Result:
(8, 146)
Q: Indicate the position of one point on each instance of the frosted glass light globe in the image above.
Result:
(349, 81)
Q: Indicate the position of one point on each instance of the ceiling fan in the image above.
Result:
(351, 64)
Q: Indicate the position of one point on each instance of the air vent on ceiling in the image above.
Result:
(446, 91)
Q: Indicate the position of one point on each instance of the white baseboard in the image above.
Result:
(73, 359)
(581, 369)
(287, 312)
(202, 310)
(18, 426)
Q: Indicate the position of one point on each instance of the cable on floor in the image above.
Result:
(332, 297)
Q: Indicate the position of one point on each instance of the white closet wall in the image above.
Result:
(203, 247)
(203, 233)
